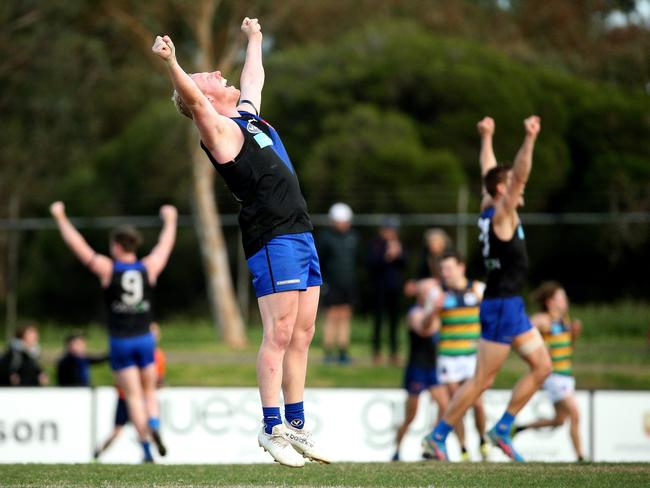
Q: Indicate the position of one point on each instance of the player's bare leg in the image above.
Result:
(574, 418)
(149, 381)
(479, 422)
(410, 410)
(459, 428)
(343, 333)
(297, 353)
(129, 381)
(279, 312)
(490, 357)
(117, 430)
(539, 362)
(295, 372)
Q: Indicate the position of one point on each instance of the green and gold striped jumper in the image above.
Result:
(460, 324)
(560, 345)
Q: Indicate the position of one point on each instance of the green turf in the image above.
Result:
(344, 474)
(612, 353)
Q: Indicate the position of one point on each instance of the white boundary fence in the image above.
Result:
(220, 425)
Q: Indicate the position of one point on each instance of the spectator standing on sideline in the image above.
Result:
(337, 249)
(73, 368)
(19, 364)
(436, 243)
(386, 262)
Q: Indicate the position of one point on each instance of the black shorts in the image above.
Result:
(338, 294)
(121, 412)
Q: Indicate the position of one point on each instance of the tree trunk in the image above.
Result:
(221, 297)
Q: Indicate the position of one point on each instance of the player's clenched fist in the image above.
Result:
(164, 47)
(57, 209)
(251, 27)
(486, 126)
(168, 212)
(532, 125)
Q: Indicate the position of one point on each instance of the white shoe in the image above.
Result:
(279, 448)
(303, 442)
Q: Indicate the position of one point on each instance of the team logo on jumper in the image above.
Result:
(252, 129)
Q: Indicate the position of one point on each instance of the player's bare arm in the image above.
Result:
(487, 159)
(157, 259)
(425, 320)
(252, 76)
(523, 163)
(478, 287)
(220, 134)
(576, 329)
(506, 218)
(99, 264)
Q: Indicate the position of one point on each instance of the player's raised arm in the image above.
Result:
(211, 125)
(99, 264)
(159, 255)
(252, 75)
(487, 158)
(523, 163)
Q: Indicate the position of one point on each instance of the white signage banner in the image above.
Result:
(45, 425)
(220, 425)
(621, 426)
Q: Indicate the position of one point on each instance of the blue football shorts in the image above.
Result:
(503, 319)
(132, 351)
(417, 379)
(286, 262)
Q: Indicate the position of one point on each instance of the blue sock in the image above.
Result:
(271, 418)
(154, 423)
(503, 425)
(295, 414)
(441, 431)
(147, 450)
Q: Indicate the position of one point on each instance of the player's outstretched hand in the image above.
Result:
(486, 126)
(251, 27)
(57, 209)
(576, 327)
(168, 212)
(532, 125)
(164, 47)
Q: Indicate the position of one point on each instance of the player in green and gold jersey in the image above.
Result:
(560, 333)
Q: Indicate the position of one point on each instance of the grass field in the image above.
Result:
(389, 475)
(612, 353)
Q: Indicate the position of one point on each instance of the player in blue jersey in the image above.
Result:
(504, 323)
(128, 284)
(276, 233)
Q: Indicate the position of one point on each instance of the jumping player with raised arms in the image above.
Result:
(128, 284)
(276, 232)
(504, 323)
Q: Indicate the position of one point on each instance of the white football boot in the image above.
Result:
(277, 445)
(303, 442)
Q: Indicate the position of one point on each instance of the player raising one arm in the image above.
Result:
(128, 285)
(504, 322)
(276, 232)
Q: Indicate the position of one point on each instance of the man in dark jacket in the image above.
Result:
(386, 261)
(73, 369)
(19, 364)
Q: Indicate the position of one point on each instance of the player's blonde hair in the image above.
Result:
(180, 105)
